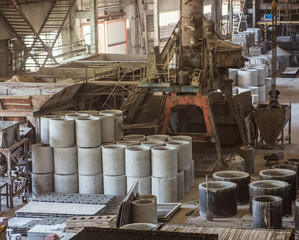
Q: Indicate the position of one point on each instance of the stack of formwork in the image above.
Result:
(89, 139)
(75, 139)
(63, 140)
(113, 159)
(138, 168)
(42, 169)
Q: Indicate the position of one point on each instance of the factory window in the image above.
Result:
(207, 9)
(167, 18)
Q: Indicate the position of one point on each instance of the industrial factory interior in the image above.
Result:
(149, 119)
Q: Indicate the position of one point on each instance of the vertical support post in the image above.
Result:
(94, 36)
(254, 13)
(231, 17)
(10, 181)
(156, 24)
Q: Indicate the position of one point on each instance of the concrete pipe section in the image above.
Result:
(290, 167)
(62, 133)
(158, 137)
(42, 183)
(90, 161)
(113, 158)
(66, 183)
(180, 185)
(135, 137)
(91, 184)
(144, 211)
(152, 144)
(165, 189)
(42, 159)
(45, 126)
(286, 175)
(183, 154)
(115, 185)
(247, 78)
(222, 197)
(242, 179)
(107, 129)
(128, 143)
(183, 138)
(272, 187)
(267, 212)
(144, 184)
(138, 161)
(88, 132)
(164, 162)
(118, 122)
(187, 181)
(74, 116)
(65, 160)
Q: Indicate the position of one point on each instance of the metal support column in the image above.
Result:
(156, 24)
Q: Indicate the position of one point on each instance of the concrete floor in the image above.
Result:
(289, 88)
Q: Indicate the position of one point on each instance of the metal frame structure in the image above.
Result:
(202, 102)
(11, 159)
(39, 50)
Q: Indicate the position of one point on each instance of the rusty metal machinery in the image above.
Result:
(190, 69)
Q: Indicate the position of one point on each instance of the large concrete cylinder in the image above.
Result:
(247, 78)
(42, 159)
(165, 189)
(115, 185)
(88, 132)
(261, 70)
(118, 122)
(222, 198)
(183, 154)
(187, 181)
(158, 137)
(150, 197)
(107, 129)
(42, 183)
(152, 144)
(294, 161)
(135, 137)
(44, 128)
(113, 158)
(66, 183)
(65, 160)
(290, 167)
(138, 161)
(267, 212)
(144, 184)
(144, 211)
(128, 143)
(90, 161)
(62, 133)
(181, 185)
(91, 184)
(182, 138)
(164, 162)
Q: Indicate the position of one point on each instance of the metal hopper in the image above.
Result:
(271, 122)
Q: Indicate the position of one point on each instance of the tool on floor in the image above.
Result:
(190, 213)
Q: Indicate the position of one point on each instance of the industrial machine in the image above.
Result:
(192, 72)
